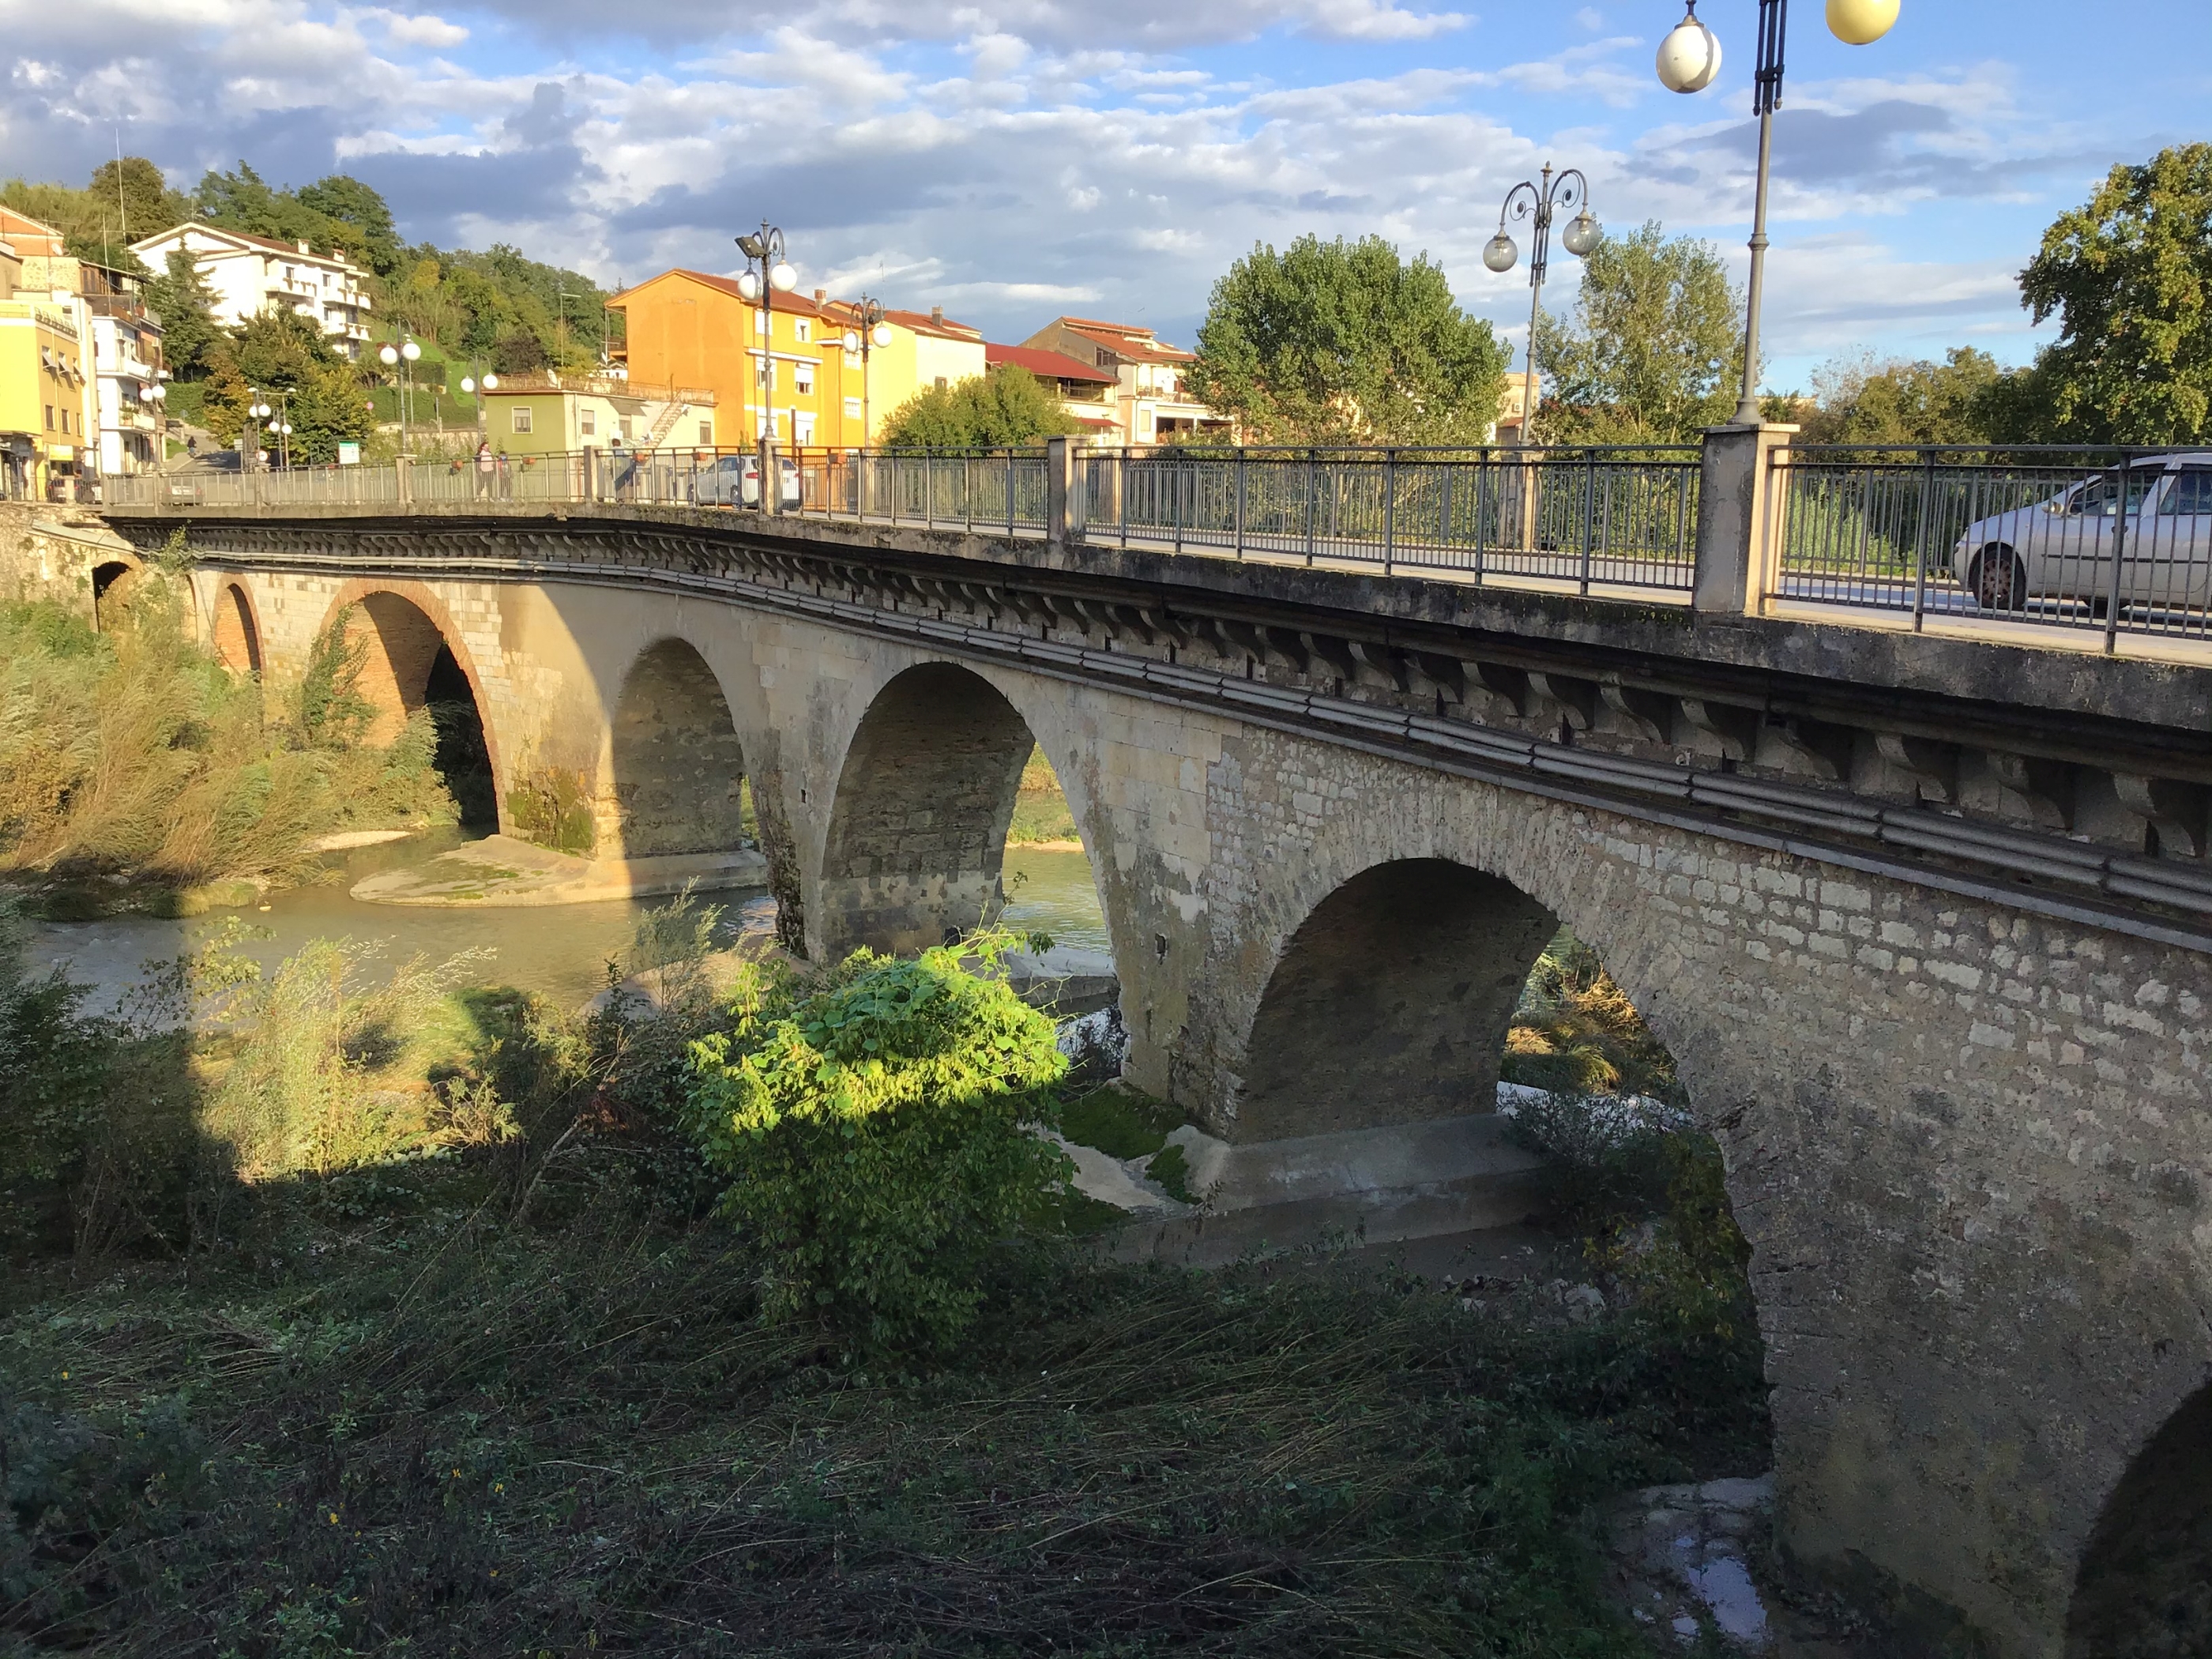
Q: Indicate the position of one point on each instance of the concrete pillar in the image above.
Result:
(771, 486)
(1735, 538)
(1063, 496)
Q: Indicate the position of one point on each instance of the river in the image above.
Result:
(559, 951)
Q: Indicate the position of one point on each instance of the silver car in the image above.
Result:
(734, 480)
(2060, 550)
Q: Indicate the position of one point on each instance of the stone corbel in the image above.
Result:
(2177, 810)
(1805, 749)
(1576, 699)
(1333, 654)
(1733, 732)
(1646, 714)
(1933, 766)
(1131, 619)
(1444, 676)
(2036, 792)
(1509, 685)
(1386, 667)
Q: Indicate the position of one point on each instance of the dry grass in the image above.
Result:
(134, 755)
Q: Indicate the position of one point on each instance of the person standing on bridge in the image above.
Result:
(486, 466)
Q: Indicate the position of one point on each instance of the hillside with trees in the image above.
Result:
(499, 306)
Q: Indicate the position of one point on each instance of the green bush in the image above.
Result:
(877, 1131)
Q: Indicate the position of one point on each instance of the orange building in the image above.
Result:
(686, 328)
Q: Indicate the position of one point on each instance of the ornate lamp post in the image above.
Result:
(403, 356)
(155, 397)
(1538, 201)
(471, 385)
(256, 412)
(872, 332)
(1689, 58)
(766, 275)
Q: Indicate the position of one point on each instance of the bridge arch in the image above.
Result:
(1398, 987)
(2144, 1587)
(916, 837)
(417, 660)
(234, 630)
(113, 579)
(676, 761)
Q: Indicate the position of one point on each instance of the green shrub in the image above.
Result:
(877, 1131)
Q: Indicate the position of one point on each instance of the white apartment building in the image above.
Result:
(249, 275)
(1149, 401)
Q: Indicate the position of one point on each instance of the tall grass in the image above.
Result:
(134, 754)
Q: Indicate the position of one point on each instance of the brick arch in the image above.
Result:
(676, 759)
(397, 687)
(235, 628)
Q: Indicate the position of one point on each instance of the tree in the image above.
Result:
(1654, 351)
(1341, 342)
(280, 352)
(180, 297)
(364, 215)
(2129, 274)
(142, 197)
(1005, 407)
(1859, 400)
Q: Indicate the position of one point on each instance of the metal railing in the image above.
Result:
(1596, 518)
(2116, 540)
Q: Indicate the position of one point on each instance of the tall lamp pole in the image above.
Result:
(1689, 58)
(471, 385)
(1537, 201)
(768, 274)
(872, 332)
(256, 412)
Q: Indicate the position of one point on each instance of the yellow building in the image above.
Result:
(686, 328)
(42, 397)
(800, 379)
(552, 414)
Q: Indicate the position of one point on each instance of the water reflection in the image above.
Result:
(558, 951)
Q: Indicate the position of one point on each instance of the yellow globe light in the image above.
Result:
(1861, 22)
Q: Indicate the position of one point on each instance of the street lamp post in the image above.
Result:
(155, 396)
(402, 356)
(471, 385)
(767, 275)
(1689, 58)
(872, 332)
(256, 412)
(1537, 201)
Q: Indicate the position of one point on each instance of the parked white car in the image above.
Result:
(2061, 549)
(734, 480)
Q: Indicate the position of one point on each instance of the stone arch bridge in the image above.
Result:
(1926, 923)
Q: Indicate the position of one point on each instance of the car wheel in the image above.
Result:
(1998, 578)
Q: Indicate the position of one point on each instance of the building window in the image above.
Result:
(521, 420)
(706, 434)
(852, 360)
(803, 377)
(941, 383)
(49, 418)
(1105, 358)
(802, 331)
(852, 409)
(760, 322)
(804, 424)
(587, 423)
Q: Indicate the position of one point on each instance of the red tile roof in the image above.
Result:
(798, 304)
(1046, 365)
(1139, 344)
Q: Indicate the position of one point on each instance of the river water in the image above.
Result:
(558, 951)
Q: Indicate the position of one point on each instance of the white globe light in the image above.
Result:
(1861, 22)
(783, 277)
(386, 356)
(491, 383)
(1582, 234)
(748, 287)
(410, 351)
(852, 340)
(1499, 254)
(1689, 58)
(882, 334)
(468, 383)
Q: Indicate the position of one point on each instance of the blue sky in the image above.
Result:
(1013, 159)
